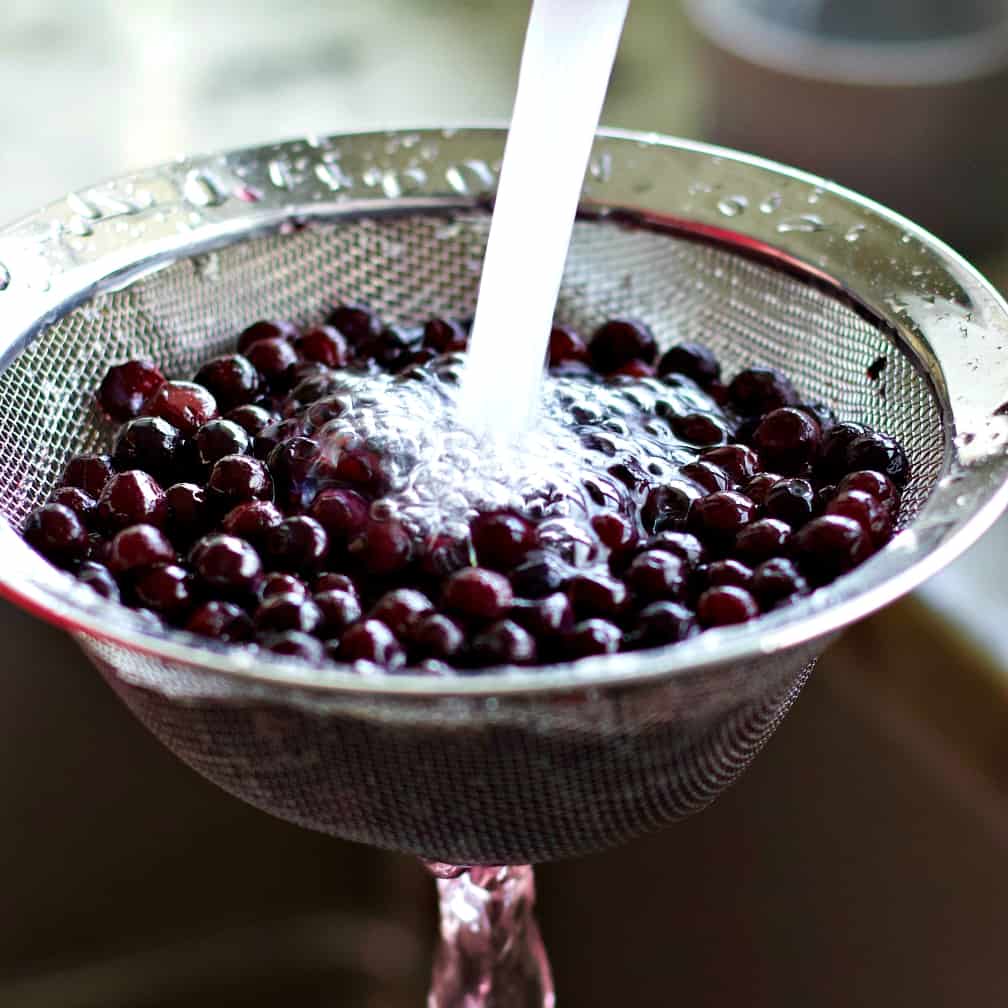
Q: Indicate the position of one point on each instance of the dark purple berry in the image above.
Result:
(166, 588)
(227, 564)
(98, 578)
(148, 443)
(547, 617)
(668, 507)
(186, 517)
(502, 539)
(89, 472)
(762, 540)
(592, 637)
(277, 583)
(298, 544)
(356, 322)
(236, 479)
(791, 501)
(660, 624)
(279, 613)
(760, 485)
(232, 380)
(776, 581)
(787, 440)
(723, 514)
(216, 439)
(384, 548)
(274, 359)
(655, 574)
(504, 643)
(682, 544)
(596, 595)
(57, 533)
(337, 611)
(829, 546)
(832, 464)
(693, 360)
(361, 468)
(294, 644)
(740, 462)
(85, 507)
(335, 582)
(872, 516)
(477, 593)
(293, 464)
(436, 636)
(727, 572)
(707, 476)
(726, 605)
(266, 330)
(876, 485)
(699, 429)
(620, 341)
(131, 498)
(880, 453)
(757, 391)
(370, 640)
(126, 387)
(324, 345)
(400, 609)
(634, 369)
(139, 546)
(223, 621)
(251, 418)
(615, 532)
(445, 336)
(185, 405)
(566, 345)
(252, 521)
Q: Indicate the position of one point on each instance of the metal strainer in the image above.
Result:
(769, 266)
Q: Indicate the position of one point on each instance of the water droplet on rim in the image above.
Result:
(5, 277)
(854, 232)
(200, 191)
(771, 203)
(470, 178)
(807, 223)
(732, 206)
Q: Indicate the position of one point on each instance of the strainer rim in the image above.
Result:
(709, 651)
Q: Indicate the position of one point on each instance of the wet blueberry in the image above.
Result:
(880, 453)
(139, 546)
(370, 640)
(186, 516)
(777, 581)
(274, 359)
(478, 594)
(829, 546)
(872, 516)
(252, 520)
(185, 405)
(400, 609)
(660, 624)
(726, 605)
(294, 644)
(876, 485)
(131, 498)
(227, 565)
(756, 391)
(436, 636)
(236, 479)
(148, 443)
(504, 643)
(324, 345)
(356, 322)
(266, 330)
(832, 464)
(99, 579)
(596, 595)
(223, 621)
(445, 335)
(126, 387)
(297, 544)
(592, 637)
(740, 462)
(566, 345)
(762, 540)
(383, 548)
(693, 360)
(787, 440)
(88, 472)
(85, 507)
(216, 439)
(337, 611)
(279, 613)
(57, 533)
(656, 574)
(791, 501)
(166, 588)
(668, 507)
(251, 418)
(502, 539)
(619, 341)
(278, 583)
(727, 572)
(231, 379)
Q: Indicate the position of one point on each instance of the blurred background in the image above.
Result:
(857, 863)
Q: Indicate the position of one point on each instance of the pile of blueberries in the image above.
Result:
(217, 512)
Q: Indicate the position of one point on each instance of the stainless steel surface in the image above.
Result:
(512, 766)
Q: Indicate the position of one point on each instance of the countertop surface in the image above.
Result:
(92, 90)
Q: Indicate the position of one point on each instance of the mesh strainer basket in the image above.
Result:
(768, 266)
